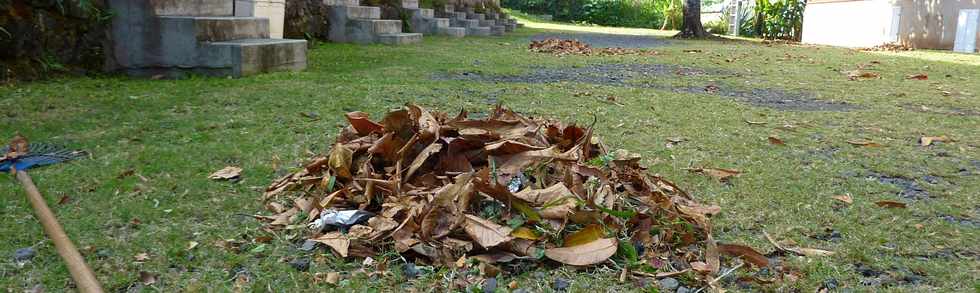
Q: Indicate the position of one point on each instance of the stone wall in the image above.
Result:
(306, 19)
(42, 38)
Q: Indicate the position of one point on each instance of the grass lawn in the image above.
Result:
(153, 143)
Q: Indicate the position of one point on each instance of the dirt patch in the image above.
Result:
(873, 277)
(910, 189)
(606, 40)
(625, 75)
(774, 98)
(601, 74)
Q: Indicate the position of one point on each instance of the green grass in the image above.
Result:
(173, 133)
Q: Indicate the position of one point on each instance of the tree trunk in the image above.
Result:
(691, 27)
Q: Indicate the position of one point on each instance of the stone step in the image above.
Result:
(488, 23)
(376, 26)
(477, 16)
(251, 56)
(498, 30)
(467, 23)
(459, 15)
(342, 2)
(456, 32)
(352, 12)
(441, 22)
(478, 31)
(509, 27)
(193, 29)
(410, 4)
(428, 13)
(400, 38)
(492, 15)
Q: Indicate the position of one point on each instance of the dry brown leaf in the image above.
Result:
(717, 173)
(487, 234)
(928, 140)
(227, 173)
(361, 123)
(845, 198)
(557, 201)
(745, 253)
(18, 147)
(776, 141)
(918, 76)
(148, 278)
(335, 240)
(890, 204)
(586, 254)
(862, 75)
(755, 122)
(141, 257)
(863, 143)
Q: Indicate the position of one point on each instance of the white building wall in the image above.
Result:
(865, 23)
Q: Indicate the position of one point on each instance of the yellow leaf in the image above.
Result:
(586, 254)
(525, 233)
(587, 235)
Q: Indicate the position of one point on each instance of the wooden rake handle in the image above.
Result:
(84, 278)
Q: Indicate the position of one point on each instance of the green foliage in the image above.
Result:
(624, 13)
(779, 19)
(718, 27)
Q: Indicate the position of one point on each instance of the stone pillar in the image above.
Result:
(274, 10)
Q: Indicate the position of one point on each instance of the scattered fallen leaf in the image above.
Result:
(755, 122)
(845, 198)
(918, 76)
(717, 173)
(776, 141)
(191, 245)
(141, 257)
(790, 246)
(336, 241)
(890, 204)
(863, 143)
(928, 140)
(228, 173)
(586, 254)
(862, 75)
(148, 278)
(18, 147)
(745, 253)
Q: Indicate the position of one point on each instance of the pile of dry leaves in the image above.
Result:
(561, 47)
(454, 191)
(888, 47)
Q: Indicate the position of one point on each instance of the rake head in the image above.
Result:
(40, 154)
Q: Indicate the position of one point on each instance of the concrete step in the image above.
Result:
(193, 29)
(365, 12)
(492, 15)
(342, 2)
(498, 30)
(251, 56)
(488, 22)
(481, 31)
(410, 4)
(459, 15)
(509, 27)
(441, 22)
(376, 26)
(400, 38)
(467, 23)
(427, 13)
(456, 32)
(477, 16)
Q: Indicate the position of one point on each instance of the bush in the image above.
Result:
(779, 19)
(718, 27)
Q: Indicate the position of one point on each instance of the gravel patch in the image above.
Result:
(597, 40)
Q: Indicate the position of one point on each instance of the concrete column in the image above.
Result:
(274, 10)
